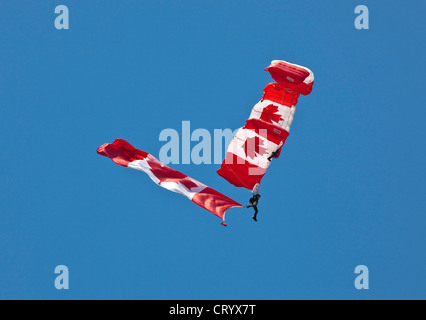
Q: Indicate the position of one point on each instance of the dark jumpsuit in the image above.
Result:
(253, 203)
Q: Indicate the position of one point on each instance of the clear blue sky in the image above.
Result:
(349, 189)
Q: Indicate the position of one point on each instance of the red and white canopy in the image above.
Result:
(249, 153)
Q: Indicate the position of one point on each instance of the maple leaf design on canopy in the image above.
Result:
(254, 146)
(270, 115)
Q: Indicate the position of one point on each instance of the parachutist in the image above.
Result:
(253, 203)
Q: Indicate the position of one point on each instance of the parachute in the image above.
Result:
(265, 132)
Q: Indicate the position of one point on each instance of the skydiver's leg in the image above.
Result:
(255, 213)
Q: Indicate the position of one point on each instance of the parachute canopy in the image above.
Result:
(292, 76)
(265, 132)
